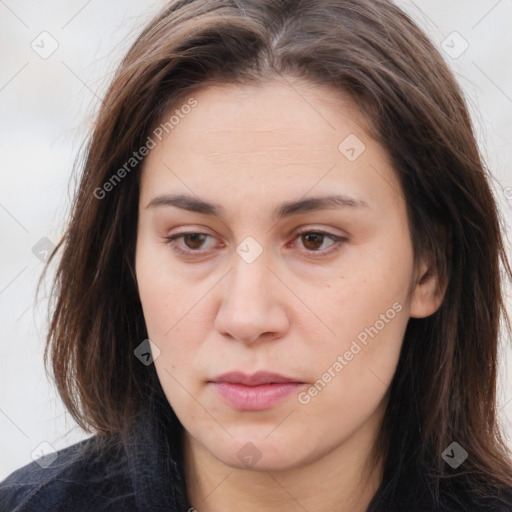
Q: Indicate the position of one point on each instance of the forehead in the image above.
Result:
(275, 117)
(262, 138)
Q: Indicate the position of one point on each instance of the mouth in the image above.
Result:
(261, 390)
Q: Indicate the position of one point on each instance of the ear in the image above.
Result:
(427, 294)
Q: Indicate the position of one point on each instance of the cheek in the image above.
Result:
(367, 285)
(361, 350)
(163, 294)
(367, 310)
(382, 274)
(170, 313)
(353, 374)
(171, 307)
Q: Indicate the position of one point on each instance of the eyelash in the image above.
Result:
(336, 246)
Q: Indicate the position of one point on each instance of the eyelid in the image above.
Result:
(171, 241)
(333, 248)
(308, 228)
(338, 240)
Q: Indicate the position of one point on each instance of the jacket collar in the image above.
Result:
(154, 450)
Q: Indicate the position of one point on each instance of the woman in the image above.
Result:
(280, 287)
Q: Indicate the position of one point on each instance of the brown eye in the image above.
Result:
(188, 243)
(195, 239)
(313, 241)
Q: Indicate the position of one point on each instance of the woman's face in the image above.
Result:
(267, 274)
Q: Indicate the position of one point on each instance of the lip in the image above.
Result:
(255, 379)
(261, 390)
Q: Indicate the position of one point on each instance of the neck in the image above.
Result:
(344, 480)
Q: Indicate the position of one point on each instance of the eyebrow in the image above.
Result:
(286, 209)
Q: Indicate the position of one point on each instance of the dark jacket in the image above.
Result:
(143, 471)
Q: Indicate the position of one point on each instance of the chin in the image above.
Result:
(260, 453)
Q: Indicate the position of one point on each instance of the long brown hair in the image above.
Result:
(444, 389)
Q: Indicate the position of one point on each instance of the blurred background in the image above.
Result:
(57, 60)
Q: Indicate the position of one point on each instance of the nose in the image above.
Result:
(252, 306)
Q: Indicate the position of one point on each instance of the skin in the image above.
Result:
(250, 148)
